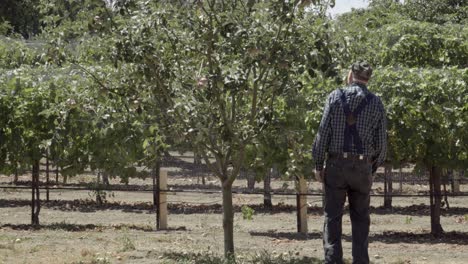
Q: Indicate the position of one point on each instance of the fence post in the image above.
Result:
(302, 206)
(163, 199)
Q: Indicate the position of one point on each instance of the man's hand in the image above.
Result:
(319, 175)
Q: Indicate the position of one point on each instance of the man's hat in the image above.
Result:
(362, 70)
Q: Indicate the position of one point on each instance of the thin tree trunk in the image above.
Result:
(15, 179)
(400, 171)
(251, 181)
(36, 202)
(436, 199)
(267, 190)
(98, 189)
(105, 178)
(65, 179)
(456, 176)
(385, 185)
(228, 221)
(56, 175)
(47, 179)
(388, 187)
(446, 197)
(156, 192)
(197, 164)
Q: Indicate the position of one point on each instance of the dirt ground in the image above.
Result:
(75, 230)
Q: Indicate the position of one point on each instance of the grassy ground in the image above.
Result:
(74, 229)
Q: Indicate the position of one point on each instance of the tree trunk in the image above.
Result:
(98, 189)
(15, 179)
(65, 179)
(156, 191)
(56, 175)
(47, 179)
(197, 161)
(267, 190)
(228, 221)
(456, 176)
(436, 199)
(251, 181)
(400, 171)
(105, 178)
(388, 185)
(446, 197)
(35, 201)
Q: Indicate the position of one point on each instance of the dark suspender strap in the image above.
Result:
(363, 104)
(345, 105)
(357, 139)
(351, 133)
(348, 137)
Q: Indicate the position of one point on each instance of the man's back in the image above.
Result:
(370, 125)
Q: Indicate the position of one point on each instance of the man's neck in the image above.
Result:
(360, 82)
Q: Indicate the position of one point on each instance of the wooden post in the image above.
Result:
(163, 200)
(302, 206)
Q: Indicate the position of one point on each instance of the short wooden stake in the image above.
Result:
(302, 206)
(163, 200)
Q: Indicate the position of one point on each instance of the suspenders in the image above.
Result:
(351, 133)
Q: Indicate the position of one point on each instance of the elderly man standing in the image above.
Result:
(352, 139)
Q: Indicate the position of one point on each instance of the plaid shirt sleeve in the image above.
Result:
(380, 138)
(323, 136)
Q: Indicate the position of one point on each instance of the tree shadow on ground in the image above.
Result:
(90, 206)
(261, 258)
(290, 235)
(418, 210)
(388, 237)
(88, 227)
(77, 227)
(391, 237)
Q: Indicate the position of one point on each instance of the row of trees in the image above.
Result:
(241, 83)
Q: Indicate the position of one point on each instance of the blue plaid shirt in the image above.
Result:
(371, 125)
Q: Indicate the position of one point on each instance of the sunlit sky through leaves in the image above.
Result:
(343, 6)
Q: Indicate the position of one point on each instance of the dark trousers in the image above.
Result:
(354, 178)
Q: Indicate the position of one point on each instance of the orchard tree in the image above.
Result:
(26, 130)
(215, 67)
(425, 129)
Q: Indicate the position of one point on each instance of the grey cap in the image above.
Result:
(362, 70)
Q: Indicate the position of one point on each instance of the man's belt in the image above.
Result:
(350, 156)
